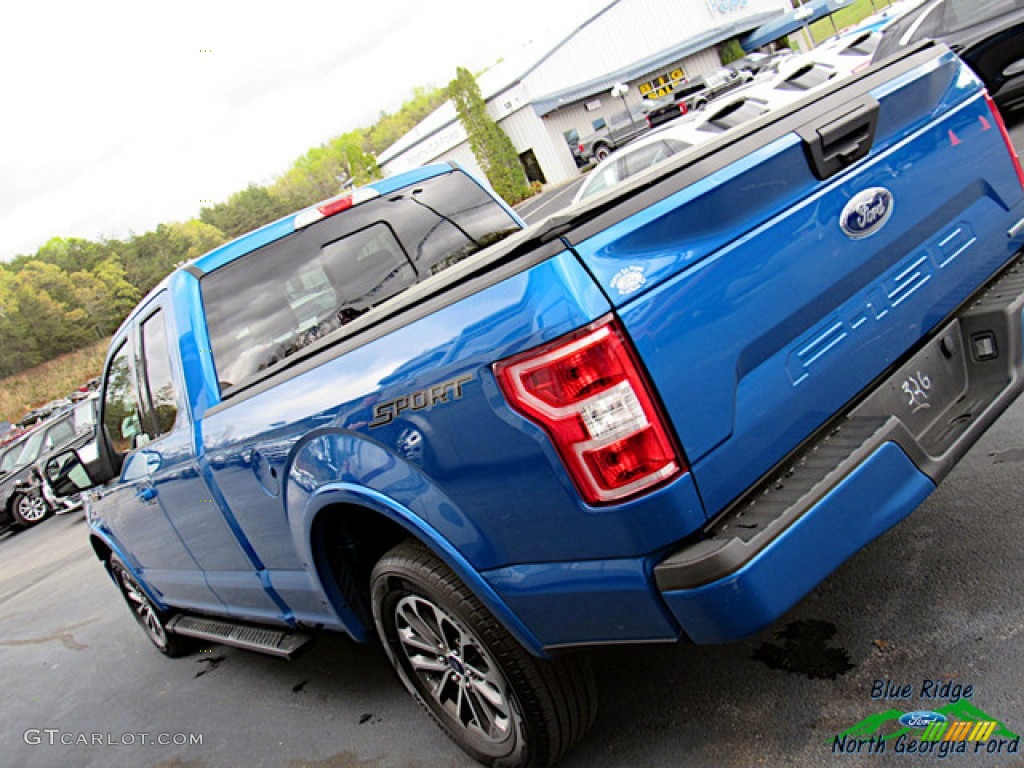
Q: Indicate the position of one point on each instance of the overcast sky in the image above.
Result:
(122, 115)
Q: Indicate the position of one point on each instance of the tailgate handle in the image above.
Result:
(840, 138)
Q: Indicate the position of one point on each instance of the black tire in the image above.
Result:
(28, 509)
(501, 705)
(152, 620)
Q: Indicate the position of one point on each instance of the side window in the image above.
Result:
(59, 434)
(163, 394)
(121, 402)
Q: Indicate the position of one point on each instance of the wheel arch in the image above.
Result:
(105, 550)
(350, 527)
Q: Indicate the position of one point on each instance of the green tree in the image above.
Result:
(389, 128)
(730, 51)
(491, 146)
(47, 319)
(68, 253)
(245, 211)
(150, 257)
(320, 172)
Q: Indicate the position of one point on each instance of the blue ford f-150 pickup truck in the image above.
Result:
(668, 413)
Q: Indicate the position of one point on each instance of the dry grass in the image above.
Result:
(29, 389)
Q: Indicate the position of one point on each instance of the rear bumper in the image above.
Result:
(856, 479)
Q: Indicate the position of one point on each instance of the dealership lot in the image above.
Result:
(933, 606)
(935, 599)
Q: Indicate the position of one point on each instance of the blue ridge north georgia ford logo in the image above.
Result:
(866, 213)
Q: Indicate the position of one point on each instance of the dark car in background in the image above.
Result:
(694, 95)
(987, 34)
(24, 500)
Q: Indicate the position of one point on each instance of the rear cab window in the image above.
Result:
(266, 306)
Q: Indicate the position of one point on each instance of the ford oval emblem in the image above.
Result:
(921, 719)
(866, 213)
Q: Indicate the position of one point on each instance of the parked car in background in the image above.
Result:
(637, 156)
(44, 412)
(24, 499)
(758, 64)
(618, 131)
(987, 34)
(729, 111)
(86, 389)
(695, 95)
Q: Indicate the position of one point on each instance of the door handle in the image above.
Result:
(840, 138)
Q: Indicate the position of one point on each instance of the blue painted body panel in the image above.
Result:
(878, 494)
(757, 321)
(592, 602)
(762, 319)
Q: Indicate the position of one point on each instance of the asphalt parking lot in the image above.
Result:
(935, 599)
(933, 606)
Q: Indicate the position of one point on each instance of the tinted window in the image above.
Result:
(121, 403)
(84, 417)
(163, 393)
(30, 449)
(8, 461)
(279, 299)
(59, 434)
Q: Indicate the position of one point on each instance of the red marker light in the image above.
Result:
(337, 205)
(333, 205)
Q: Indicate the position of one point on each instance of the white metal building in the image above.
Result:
(545, 98)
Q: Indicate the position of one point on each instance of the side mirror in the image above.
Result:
(67, 474)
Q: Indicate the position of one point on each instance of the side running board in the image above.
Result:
(272, 641)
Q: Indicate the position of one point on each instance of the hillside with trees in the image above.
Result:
(74, 292)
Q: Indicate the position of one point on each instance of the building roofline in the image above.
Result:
(549, 102)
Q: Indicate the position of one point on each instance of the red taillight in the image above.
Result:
(587, 391)
(1006, 137)
(683, 109)
(648, 119)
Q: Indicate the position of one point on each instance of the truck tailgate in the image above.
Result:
(763, 297)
